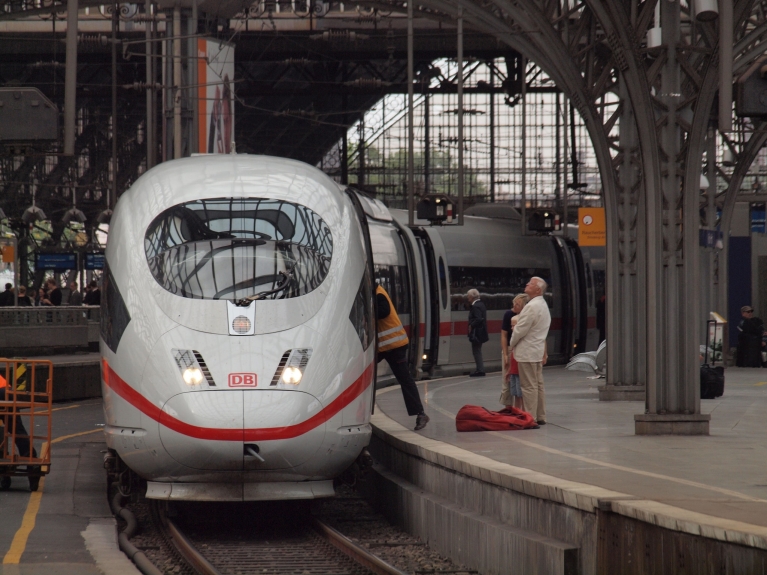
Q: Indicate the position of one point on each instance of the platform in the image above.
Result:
(65, 527)
(588, 459)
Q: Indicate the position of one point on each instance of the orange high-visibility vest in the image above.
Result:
(391, 334)
(3, 383)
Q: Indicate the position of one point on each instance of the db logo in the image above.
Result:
(243, 380)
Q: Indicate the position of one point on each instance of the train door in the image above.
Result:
(431, 300)
(417, 278)
(441, 298)
(574, 293)
(580, 303)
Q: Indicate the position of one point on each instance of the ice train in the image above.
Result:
(237, 335)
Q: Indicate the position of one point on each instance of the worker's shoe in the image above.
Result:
(421, 421)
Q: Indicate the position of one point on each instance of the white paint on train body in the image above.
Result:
(238, 343)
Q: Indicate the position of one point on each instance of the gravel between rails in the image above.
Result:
(348, 513)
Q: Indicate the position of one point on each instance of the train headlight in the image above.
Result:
(192, 375)
(192, 367)
(292, 366)
(291, 375)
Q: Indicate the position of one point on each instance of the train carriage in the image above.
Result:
(238, 328)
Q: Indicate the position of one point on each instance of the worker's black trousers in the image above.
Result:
(21, 442)
(397, 360)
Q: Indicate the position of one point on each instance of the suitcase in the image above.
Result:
(711, 381)
(711, 377)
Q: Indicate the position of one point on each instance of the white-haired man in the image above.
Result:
(528, 342)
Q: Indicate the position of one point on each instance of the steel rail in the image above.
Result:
(187, 551)
(354, 551)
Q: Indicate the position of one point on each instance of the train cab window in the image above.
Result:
(114, 315)
(497, 286)
(231, 248)
(442, 282)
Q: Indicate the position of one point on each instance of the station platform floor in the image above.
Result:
(65, 527)
(723, 475)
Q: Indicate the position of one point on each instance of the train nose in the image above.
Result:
(235, 430)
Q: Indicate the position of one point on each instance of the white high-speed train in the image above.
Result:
(238, 329)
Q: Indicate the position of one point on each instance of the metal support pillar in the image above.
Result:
(558, 156)
(725, 65)
(151, 114)
(713, 256)
(523, 210)
(625, 329)
(177, 139)
(361, 154)
(115, 23)
(426, 145)
(492, 135)
(70, 79)
(673, 397)
(565, 187)
(460, 116)
(410, 127)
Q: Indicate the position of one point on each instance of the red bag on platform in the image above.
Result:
(478, 418)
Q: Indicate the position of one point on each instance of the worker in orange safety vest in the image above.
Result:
(392, 346)
(22, 439)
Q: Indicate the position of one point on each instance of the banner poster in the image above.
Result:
(215, 93)
(591, 227)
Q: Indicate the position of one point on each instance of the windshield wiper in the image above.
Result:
(287, 277)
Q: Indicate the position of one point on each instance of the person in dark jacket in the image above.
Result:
(24, 300)
(54, 294)
(392, 346)
(93, 295)
(750, 343)
(477, 330)
(7, 298)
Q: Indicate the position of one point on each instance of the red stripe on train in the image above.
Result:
(121, 388)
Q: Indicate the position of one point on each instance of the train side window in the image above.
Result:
(361, 314)
(114, 315)
(497, 286)
(442, 282)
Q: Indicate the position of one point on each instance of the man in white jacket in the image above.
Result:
(528, 342)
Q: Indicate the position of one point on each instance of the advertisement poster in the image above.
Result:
(215, 78)
(591, 227)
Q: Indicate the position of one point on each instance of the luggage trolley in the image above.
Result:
(26, 402)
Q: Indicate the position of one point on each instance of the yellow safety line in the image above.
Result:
(551, 450)
(19, 543)
(760, 383)
(65, 437)
(27, 524)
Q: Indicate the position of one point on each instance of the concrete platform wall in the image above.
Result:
(497, 518)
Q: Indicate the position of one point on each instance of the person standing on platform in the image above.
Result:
(75, 297)
(93, 297)
(528, 344)
(6, 298)
(750, 342)
(54, 295)
(511, 393)
(24, 300)
(477, 330)
(392, 346)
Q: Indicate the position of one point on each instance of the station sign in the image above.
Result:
(591, 227)
(94, 261)
(56, 261)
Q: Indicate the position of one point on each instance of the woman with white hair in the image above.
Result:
(511, 392)
(477, 330)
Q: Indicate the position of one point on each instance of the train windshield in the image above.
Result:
(232, 248)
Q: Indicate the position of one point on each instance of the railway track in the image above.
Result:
(269, 539)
